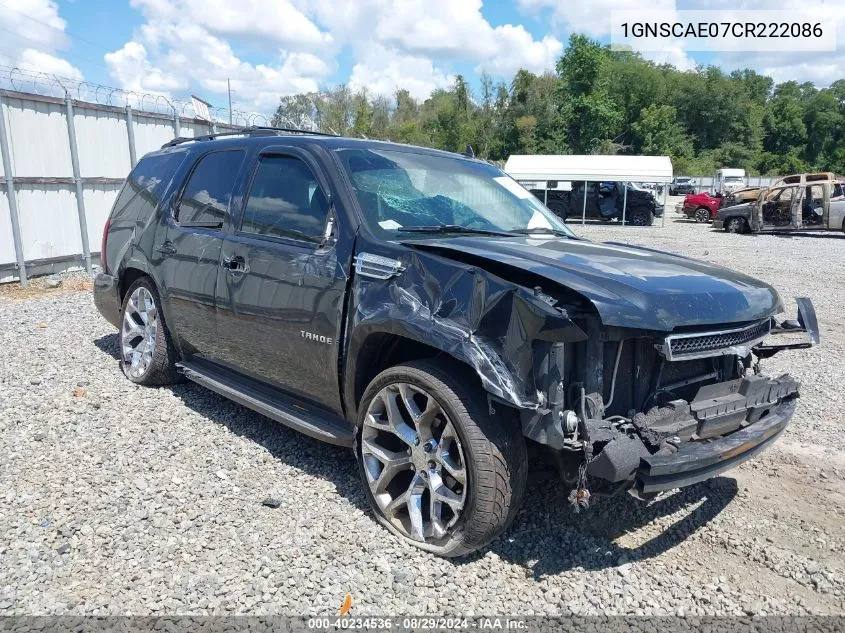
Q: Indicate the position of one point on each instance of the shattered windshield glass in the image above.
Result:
(403, 191)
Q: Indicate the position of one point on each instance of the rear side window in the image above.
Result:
(285, 201)
(146, 185)
(205, 200)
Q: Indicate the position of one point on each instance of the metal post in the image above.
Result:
(77, 180)
(624, 202)
(665, 203)
(10, 194)
(546, 194)
(584, 208)
(130, 133)
(177, 128)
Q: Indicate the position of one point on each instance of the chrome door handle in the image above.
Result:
(166, 249)
(235, 264)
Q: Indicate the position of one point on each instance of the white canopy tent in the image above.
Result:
(591, 168)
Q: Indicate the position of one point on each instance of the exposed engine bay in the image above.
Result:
(651, 412)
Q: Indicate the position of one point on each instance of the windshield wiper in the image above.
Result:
(537, 230)
(452, 228)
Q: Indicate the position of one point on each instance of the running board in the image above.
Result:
(318, 424)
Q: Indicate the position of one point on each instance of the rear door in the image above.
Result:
(280, 293)
(189, 256)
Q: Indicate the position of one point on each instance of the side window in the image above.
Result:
(285, 201)
(836, 190)
(145, 185)
(205, 200)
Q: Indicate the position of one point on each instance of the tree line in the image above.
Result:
(602, 101)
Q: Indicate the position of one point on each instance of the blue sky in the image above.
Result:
(272, 48)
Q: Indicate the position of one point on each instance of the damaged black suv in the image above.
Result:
(424, 309)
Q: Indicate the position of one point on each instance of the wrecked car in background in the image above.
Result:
(797, 207)
(425, 310)
(750, 194)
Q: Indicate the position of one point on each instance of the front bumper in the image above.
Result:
(700, 460)
(718, 224)
(107, 298)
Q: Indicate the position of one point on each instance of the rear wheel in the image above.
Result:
(438, 468)
(702, 214)
(147, 353)
(735, 225)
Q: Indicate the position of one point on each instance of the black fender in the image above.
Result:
(470, 314)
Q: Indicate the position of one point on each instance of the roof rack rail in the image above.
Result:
(247, 131)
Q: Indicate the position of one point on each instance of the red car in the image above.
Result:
(701, 207)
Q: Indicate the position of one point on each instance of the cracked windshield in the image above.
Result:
(410, 192)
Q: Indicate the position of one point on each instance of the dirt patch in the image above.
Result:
(38, 287)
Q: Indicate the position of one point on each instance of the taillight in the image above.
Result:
(103, 263)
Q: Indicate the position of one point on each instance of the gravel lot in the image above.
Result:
(126, 500)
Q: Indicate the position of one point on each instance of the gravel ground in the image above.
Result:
(127, 500)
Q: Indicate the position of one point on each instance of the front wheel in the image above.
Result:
(735, 225)
(439, 469)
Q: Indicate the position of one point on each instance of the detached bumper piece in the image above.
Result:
(697, 460)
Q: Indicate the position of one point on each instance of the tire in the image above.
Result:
(147, 354)
(641, 217)
(486, 450)
(673, 192)
(735, 225)
(702, 214)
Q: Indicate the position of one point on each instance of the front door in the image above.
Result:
(280, 293)
(190, 251)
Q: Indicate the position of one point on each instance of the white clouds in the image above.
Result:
(591, 17)
(381, 71)
(448, 30)
(32, 34)
(47, 63)
(132, 69)
(181, 47)
(276, 23)
(412, 44)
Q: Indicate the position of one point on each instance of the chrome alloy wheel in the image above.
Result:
(138, 334)
(414, 462)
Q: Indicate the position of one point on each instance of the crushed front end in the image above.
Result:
(649, 412)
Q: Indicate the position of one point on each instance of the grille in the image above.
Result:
(680, 346)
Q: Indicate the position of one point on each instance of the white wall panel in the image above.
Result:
(98, 203)
(49, 221)
(103, 143)
(150, 134)
(38, 138)
(7, 242)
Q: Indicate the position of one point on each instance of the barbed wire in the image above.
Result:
(48, 84)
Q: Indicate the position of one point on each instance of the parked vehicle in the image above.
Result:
(727, 181)
(701, 207)
(681, 186)
(804, 207)
(605, 201)
(425, 310)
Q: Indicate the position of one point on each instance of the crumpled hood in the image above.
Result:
(630, 286)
